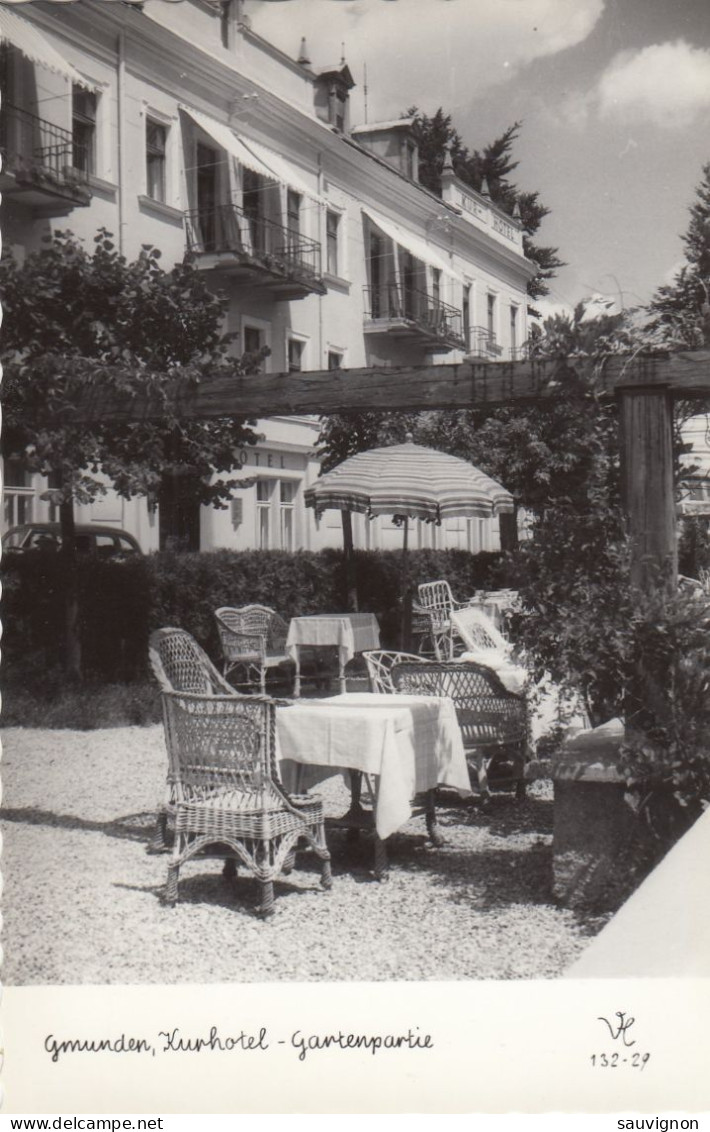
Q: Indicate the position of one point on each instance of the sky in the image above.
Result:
(613, 97)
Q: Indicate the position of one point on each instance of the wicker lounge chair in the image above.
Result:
(435, 604)
(493, 721)
(253, 637)
(229, 803)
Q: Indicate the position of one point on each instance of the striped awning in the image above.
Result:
(411, 243)
(30, 42)
(409, 480)
(259, 158)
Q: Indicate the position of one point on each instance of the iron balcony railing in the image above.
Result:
(254, 239)
(422, 311)
(483, 343)
(40, 151)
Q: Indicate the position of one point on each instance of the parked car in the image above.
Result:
(107, 542)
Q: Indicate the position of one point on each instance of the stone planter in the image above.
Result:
(599, 846)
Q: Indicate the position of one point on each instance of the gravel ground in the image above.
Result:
(82, 898)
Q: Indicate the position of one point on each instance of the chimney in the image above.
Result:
(303, 54)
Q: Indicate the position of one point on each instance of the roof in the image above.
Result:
(373, 127)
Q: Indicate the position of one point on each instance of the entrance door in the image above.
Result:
(207, 167)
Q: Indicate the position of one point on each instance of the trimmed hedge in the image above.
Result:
(122, 602)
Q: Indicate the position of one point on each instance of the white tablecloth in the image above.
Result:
(350, 632)
(412, 743)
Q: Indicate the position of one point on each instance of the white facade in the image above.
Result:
(191, 132)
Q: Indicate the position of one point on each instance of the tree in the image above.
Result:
(494, 164)
(680, 311)
(74, 319)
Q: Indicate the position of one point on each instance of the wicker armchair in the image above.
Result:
(434, 607)
(252, 637)
(180, 665)
(229, 802)
(493, 721)
(380, 663)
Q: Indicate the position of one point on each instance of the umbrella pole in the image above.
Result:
(405, 633)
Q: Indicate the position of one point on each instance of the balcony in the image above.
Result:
(483, 343)
(38, 166)
(413, 315)
(254, 251)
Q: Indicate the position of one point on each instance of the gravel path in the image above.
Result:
(82, 898)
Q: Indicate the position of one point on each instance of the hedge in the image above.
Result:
(122, 602)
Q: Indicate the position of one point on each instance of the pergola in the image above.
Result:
(644, 384)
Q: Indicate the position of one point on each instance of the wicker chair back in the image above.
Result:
(493, 721)
(380, 663)
(181, 665)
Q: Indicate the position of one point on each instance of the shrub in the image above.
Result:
(122, 602)
(666, 756)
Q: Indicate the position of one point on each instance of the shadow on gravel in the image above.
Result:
(129, 827)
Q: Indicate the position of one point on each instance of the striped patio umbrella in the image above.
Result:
(411, 481)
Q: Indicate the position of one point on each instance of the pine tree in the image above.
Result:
(495, 164)
(680, 311)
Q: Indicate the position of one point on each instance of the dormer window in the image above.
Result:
(393, 142)
(333, 86)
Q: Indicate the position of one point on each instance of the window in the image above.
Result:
(339, 109)
(286, 498)
(225, 21)
(436, 286)
(491, 318)
(410, 164)
(155, 146)
(513, 331)
(332, 221)
(263, 513)
(293, 215)
(295, 355)
(252, 339)
(335, 359)
(84, 129)
(18, 494)
(467, 317)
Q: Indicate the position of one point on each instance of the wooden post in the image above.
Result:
(647, 484)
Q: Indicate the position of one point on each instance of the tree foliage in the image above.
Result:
(680, 311)
(74, 319)
(436, 135)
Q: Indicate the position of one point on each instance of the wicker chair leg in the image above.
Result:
(159, 842)
(229, 870)
(435, 835)
(265, 907)
(326, 876)
(171, 885)
(289, 862)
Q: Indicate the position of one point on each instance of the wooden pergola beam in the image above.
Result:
(466, 385)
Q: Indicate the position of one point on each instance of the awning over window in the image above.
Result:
(259, 158)
(226, 139)
(282, 169)
(30, 42)
(413, 244)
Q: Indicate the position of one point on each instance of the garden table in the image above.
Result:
(349, 632)
(410, 744)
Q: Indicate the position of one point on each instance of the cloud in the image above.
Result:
(667, 84)
(426, 52)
